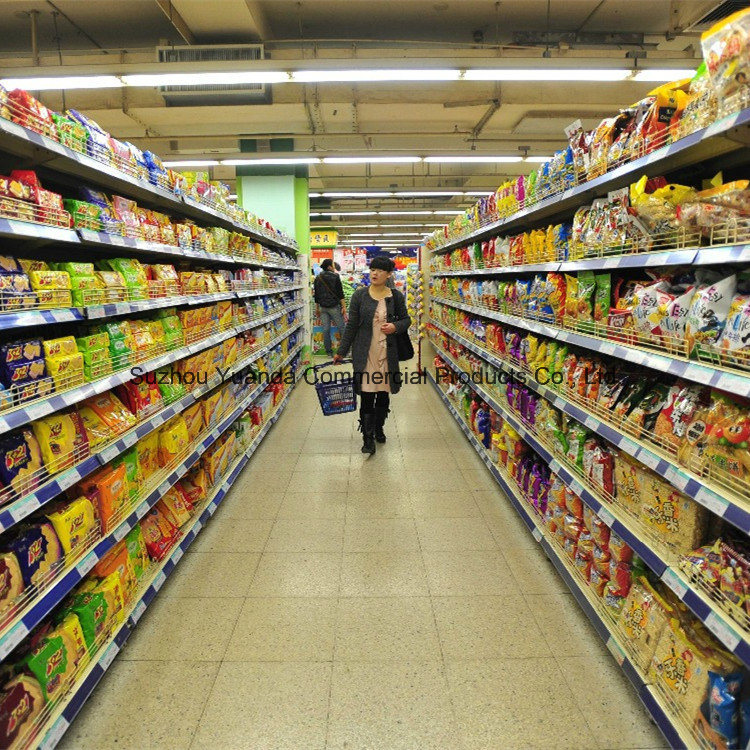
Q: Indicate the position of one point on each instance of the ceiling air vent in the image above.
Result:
(719, 11)
(210, 95)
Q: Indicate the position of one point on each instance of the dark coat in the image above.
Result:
(358, 333)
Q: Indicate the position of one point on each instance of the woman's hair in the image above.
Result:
(383, 263)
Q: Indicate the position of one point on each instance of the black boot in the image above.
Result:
(367, 428)
(380, 416)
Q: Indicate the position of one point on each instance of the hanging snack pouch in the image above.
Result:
(20, 461)
(73, 521)
(137, 552)
(112, 412)
(173, 440)
(708, 314)
(62, 440)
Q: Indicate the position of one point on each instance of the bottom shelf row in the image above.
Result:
(54, 671)
(697, 692)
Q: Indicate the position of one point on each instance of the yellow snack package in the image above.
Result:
(60, 347)
(113, 591)
(66, 370)
(173, 440)
(70, 630)
(194, 420)
(117, 562)
(147, 449)
(73, 522)
(97, 431)
(172, 505)
(61, 440)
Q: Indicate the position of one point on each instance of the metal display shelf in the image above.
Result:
(660, 716)
(19, 509)
(676, 475)
(713, 254)
(717, 377)
(49, 404)
(724, 136)
(81, 692)
(36, 149)
(27, 230)
(42, 605)
(728, 632)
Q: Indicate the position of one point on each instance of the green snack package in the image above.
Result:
(133, 273)
(170, 392)
(132, 469)
(92, 342)
(576, 437)
(137, 551)
(116, 329)
(87, 290)
(51, 664)
(92, 611)
(167, 312)
(602, 301)
(76, 269)
(476, 254)
(585, 300)
(120, 353)
(95, 356)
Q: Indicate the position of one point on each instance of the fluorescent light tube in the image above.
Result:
(659, 75)
(270, 161)
(428, 194)
(59, 83)
(473, 159)
(448, 213)
(191, 163)
(546, 74)
(538, 159)
(363, 76)
(203, 79)
(314, 195)
(406, 213)
(346, 213)
(370, 159)
(479, 192)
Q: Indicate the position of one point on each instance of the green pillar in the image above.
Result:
(280, 194)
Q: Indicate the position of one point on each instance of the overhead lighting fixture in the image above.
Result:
(428, 194)
(191, 163)
(663, 75)
(473, 159)
(357, 195)
(230, 78)
(479, 192)
(314, 195)
(547, 74)
(365, 76)
(538, 159)
(401, 234)
(406, 213)
(448, 213)
(355, 234)
(270, 161)
(345, 213)
(60, 83)
(370, 159)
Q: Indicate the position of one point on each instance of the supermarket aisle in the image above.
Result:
(385, 603)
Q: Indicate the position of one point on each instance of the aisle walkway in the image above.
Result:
(343, 602)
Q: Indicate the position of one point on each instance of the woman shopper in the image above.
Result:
(376, 314)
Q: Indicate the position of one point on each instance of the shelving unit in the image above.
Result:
(725, 140)
(66, 166)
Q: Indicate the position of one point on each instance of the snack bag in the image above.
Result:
(708, 313)
(159, 534)
(37, 550)
(628, 481)
(113, 591)
(69, 629)
(21, 702)
(62, 440)
(132, 470)
(73, 522)
(117, 560)
(147, 449)
(193, 416)
(727, 56)
(112, 412)
(92, 611)
(11, 580)
(173, 440)
(175, 506)
(97, 431)
(735, 338)
(584, 311)
(137, 552)
(51, 664)
(727, 440)
(602, 301)
(20, 461)
(642, 417)
(143, 398)
(109, 492)
(195, 484)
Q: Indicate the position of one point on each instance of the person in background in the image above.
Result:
(329, 296)
(376, 314)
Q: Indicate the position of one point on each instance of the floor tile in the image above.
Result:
(436, 478)
(478, 479)
(224, 534)
(297, 574)
(337, 463)
(377, 504)
(534, 572)
(567, 629)
(380, 534)
(318, 481)
(391, 706)
(306, 535)
(468, 574)
(386, 629)
(161, 632)
(212, 574)
(250, 506)
(284, 629)
(444, 504)
(454, 534)
(325, 505)
(512, 703)
(137, 706)
(383, 574)
(266, 705)
(487, 627)
(613, 711)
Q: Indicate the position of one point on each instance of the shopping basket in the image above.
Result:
(337, 397)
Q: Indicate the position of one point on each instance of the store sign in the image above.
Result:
(324, 238)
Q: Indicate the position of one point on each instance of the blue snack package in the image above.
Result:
(723, 707)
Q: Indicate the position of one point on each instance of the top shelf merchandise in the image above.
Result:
(73, 145)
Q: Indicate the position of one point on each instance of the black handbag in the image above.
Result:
(404, 347)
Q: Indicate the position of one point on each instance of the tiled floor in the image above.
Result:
(338, 601)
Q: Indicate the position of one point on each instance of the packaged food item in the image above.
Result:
(173, 440)
(159, 533)
(193, 416)
(195, 484)
(129, 459)
(141, 398)
(51, 664)
(727, 439)
(68, 627)
(37, 550)
(725, 50)
(117, 560)
(21, 351)
(92, 611)
(11, 580)
(112, 412)
(20, 461)
(21, 702)
(137, 552)
(682, 401)
(147, 449)
(644, 617)
(73, 521)
(708, 313)
(62, 440)
(642, 417)
(175, 506)
(108, 489)
(97, 431)
(113, 591)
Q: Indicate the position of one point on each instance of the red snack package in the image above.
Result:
(159, 533)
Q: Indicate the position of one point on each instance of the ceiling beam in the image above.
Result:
(176, 20)
(258, 20)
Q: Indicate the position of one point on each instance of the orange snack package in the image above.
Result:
(193, 416)
(117, 560)
(109, 491)
(112, 412)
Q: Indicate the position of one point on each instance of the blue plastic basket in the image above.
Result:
(337, 397)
